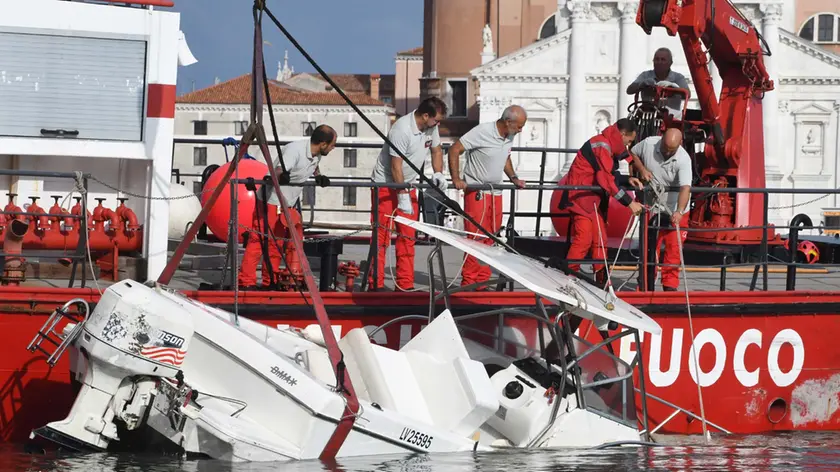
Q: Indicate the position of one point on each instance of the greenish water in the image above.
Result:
(780, 452)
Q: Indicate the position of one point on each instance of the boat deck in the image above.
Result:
(203, 262)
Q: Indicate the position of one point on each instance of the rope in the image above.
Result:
(658, 189)
(661, 204)
(695, 356)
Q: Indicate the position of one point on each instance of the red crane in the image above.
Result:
(732, 128)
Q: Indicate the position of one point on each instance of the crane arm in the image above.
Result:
(715, 30)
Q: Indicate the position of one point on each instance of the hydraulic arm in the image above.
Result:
(733, 155)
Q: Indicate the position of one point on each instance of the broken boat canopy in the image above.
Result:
(584, 299)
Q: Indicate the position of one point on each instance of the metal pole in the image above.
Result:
(540, 194)
(83, 231)
(641, 365)
(764, 255)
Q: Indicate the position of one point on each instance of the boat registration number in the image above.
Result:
(416, 438)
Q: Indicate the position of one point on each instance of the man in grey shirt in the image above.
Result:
(301, 159)
(670, 166)
(488, 147)
(416, 136)
(661, 72)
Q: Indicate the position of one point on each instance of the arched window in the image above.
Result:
(823, 28)
(548, 28)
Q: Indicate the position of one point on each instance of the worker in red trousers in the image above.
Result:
(487, 147)
(596, 164)
(301, 158)
(416, 136)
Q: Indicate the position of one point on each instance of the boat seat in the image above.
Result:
(430, 380)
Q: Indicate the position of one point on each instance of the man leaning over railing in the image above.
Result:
(416, 136)
(487, 148)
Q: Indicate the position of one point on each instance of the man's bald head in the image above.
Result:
(512, 121)
(671, 142)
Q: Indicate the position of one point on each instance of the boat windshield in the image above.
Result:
(603, 382)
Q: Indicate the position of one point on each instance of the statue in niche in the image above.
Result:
(535, 133)
(602, 121)
(812, 146)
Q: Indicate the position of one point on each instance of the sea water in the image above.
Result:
(777, 452)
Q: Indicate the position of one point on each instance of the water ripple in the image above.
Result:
(779, 452)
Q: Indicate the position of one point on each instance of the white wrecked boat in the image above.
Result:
(207, 382)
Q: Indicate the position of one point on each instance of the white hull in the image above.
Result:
(237, 390)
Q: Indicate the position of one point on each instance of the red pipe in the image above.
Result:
(42, 222)
(127, 215)
(109, 214)
(131, 219)
(14, 271)
(55, 222)
(77, 210)
(69, 241)
(12, 208)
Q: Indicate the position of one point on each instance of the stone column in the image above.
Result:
(577, 116)
(770, 103)
(628, 55)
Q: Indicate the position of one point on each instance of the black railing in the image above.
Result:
(757, 255)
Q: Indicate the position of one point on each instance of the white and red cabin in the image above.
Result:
(90, 86)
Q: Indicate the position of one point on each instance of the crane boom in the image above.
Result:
(732, 127)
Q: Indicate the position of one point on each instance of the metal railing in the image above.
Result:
(756, 255)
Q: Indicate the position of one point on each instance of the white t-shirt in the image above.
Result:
(300, 164)
(416, 145)
(672, 172)
(487, 152)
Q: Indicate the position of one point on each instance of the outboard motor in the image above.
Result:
(130, 341)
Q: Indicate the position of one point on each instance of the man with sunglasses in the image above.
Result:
(487, 148)
(416, 136)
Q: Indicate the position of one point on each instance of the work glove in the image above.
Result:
(322, 180)
(282, 179)
(404, 203)
(649, 82)
(665, 83)
(440, 181)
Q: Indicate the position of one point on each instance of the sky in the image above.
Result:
(342, 36)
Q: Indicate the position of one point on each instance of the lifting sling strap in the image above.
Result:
(589, 155)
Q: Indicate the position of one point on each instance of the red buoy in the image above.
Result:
(220, 214)
(618, 217)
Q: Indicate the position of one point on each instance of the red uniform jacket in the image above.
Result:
(594, 164)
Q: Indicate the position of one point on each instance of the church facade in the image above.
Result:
(572, 84)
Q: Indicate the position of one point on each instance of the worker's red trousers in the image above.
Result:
(585, 236)
(254, 250)
(386, 199)
(671, 257)
(488, 213)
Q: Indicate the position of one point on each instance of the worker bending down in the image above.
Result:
(487, 148)
(596, 164)
(669, 166)
(416, 136)
(301, 158)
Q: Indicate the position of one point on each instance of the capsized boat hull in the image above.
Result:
(768, 361)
